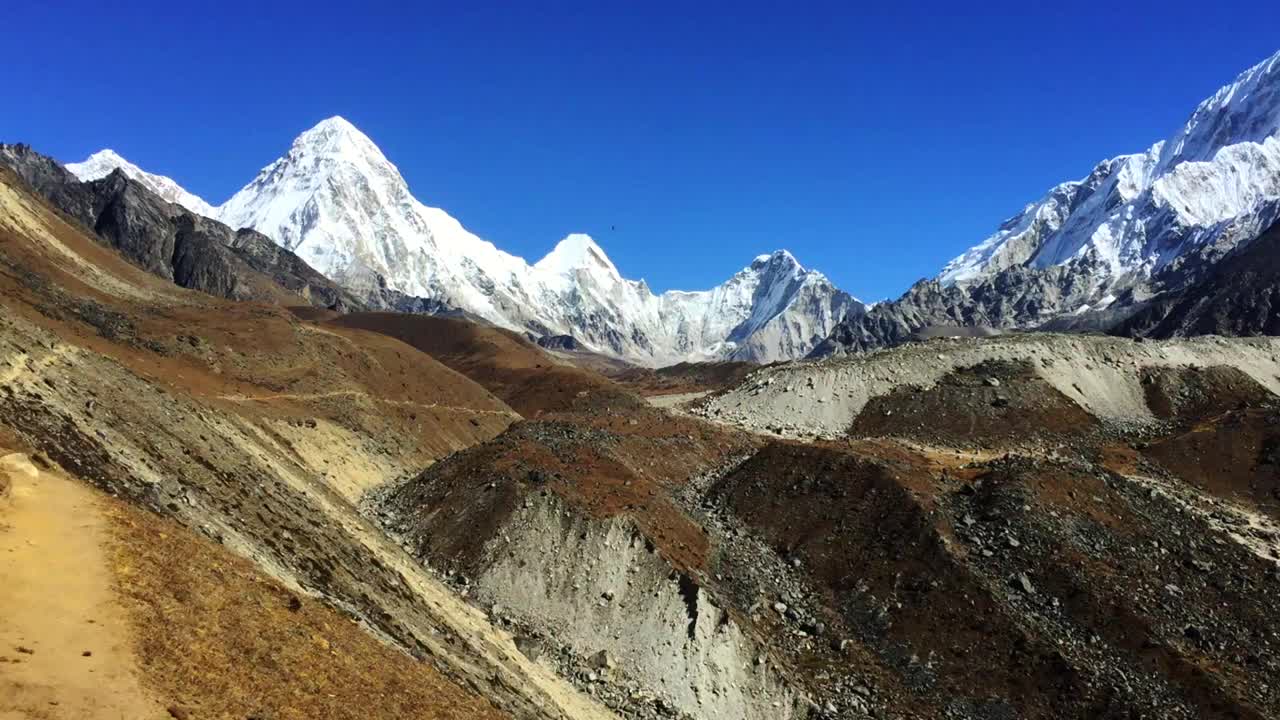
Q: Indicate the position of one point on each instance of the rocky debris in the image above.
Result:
(531, 647)
(1188, 394)
(1102, 375)
(964, 408)
(1022, 583)
(603, 660)
(1083, 502)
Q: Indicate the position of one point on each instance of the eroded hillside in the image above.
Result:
(256, 429)
(385, 515)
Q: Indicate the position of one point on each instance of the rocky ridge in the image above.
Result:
(1094, 251)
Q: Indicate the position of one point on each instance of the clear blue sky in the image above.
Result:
(874, 143)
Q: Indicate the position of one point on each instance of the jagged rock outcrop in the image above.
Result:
(1240, 296)
(1013, 298)
(170, 241)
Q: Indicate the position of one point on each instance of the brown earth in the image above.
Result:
(605, 468)
(1191, 394)
(685, 377)
(87, 294)
(994, 404)
(65, 645)
(1233, 456)
(524, 375)
(221, 640)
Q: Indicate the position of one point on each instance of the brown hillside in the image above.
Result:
(685, 377)
(522, 374)
(258, 429)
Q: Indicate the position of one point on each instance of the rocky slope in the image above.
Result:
(1240, 296)
(824, 397)
(252, 428)
(1092, 251)
(1006, 499)
(337, 202)
(112, 627)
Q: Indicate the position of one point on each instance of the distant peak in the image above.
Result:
(107, 155)
(578, 251)
(101, 164)
(106, 161)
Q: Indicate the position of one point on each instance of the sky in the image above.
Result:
(687, 138)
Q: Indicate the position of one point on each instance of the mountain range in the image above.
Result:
(1088, 255)
(336, 202)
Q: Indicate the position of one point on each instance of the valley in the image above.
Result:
(320, 451)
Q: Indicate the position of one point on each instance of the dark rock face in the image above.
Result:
(557, 342)
(1017, 297)
(170, 241)
(1210, 290)
(1240, 296)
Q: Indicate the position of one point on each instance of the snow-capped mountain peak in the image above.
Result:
(106, 161)
(101, 164)
(338, 202)
(579, 251)
(1246, 110)
(332, 153)
(336, 135)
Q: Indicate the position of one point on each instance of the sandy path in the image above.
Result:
(362, 394)
(676, 399)
(58, 602)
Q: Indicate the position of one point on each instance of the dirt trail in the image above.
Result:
(361, 393)
(675, 400)
(57, 603)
